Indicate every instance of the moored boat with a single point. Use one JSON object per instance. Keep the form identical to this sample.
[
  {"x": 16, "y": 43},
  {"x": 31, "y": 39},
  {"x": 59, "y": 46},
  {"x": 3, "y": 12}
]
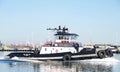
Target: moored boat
[{"x": 64, "y": 48}]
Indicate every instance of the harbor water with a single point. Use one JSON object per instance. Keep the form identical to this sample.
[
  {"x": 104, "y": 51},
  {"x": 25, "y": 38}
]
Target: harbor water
[{"x": 91, "y": 65}]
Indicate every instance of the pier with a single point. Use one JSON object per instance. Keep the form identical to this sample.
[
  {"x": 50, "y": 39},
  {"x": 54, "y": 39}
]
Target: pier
[{"x": 19, "y": 50}]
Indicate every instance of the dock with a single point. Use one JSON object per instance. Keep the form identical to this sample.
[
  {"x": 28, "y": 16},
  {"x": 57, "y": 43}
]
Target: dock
[{"x": 18, "y": 50}]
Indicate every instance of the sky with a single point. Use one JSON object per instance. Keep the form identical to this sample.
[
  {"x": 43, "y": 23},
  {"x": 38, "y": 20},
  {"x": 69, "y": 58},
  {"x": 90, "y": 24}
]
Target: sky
[{"x": 95, "y": 21}]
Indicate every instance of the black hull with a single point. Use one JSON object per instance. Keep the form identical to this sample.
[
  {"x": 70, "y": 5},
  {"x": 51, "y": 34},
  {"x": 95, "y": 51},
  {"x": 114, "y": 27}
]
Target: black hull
[
  {"x": 54, "y": 57},
  {"x": 66, "y": 56}
]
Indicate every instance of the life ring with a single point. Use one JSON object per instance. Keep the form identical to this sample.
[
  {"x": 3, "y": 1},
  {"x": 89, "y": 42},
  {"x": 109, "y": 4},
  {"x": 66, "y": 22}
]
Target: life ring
[
  {"x": 101, "y": 54},
  {"x": 67, "y": 57},
  {"x": 109, "y": 53}
]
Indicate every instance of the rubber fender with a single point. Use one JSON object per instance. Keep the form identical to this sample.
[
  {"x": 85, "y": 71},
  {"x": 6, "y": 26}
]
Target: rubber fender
[
  {"x": 101, "y": 54},
  {"x": 109, "y": 53},
  {"x": 67, "y": 57}
]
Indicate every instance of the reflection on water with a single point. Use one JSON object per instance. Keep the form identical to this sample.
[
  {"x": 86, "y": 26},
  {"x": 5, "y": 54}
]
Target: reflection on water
[
  {"x": 58, "y": 67},
  {"x": 93, "y": 65},
  {"x": 87, "y": 67}
]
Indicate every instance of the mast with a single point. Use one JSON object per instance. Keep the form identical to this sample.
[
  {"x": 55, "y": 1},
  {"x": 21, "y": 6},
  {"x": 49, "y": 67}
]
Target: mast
[{"x": 62, "y": 35}]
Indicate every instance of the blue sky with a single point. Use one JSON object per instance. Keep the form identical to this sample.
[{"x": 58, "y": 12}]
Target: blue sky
[{"x": 96, "y": 21}]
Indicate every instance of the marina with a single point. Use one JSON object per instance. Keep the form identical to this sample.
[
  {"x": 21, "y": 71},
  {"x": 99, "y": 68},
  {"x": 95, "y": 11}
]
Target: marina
[
  {"x": 62, "y": 55},
  {"x": 59, "y": 36}
]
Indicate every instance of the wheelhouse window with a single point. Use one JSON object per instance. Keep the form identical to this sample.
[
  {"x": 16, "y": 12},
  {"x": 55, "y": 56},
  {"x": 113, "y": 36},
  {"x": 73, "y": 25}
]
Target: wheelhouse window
[
  {"x": 73, "y": 37},
  {"x": 60, "y": 37}
]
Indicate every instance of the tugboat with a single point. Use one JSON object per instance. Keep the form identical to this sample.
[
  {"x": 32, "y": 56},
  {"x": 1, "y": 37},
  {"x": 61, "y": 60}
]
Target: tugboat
[{"x": 64, "y": 48}]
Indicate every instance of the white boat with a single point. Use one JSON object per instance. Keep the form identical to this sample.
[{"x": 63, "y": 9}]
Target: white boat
[{"x": 64, "y": 48}]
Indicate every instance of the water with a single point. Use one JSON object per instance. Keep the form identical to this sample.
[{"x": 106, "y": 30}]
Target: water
[{"x": 92, "y": 65}]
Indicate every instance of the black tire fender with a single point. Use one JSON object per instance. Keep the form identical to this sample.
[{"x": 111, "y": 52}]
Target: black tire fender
[
  {"x": 67, "y": 57},
  {"x": 109, "y": 53},
  {"x": 101, "y": 54}
]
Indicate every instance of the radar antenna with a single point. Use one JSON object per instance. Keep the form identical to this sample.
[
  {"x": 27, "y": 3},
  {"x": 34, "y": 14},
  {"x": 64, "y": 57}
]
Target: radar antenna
[{"x": 59, "y": 29}]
